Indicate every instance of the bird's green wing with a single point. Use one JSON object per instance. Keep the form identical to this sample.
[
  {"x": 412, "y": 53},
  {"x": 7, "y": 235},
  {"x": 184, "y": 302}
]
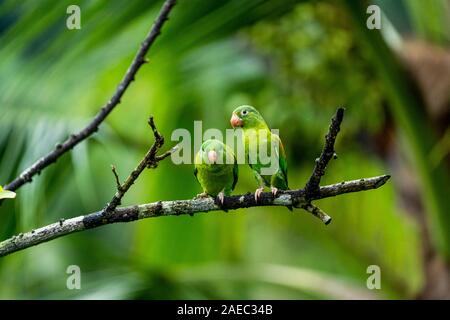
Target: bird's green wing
[
  {"x": 281, "y": 158},
  {"x": 230, "y": 154}
]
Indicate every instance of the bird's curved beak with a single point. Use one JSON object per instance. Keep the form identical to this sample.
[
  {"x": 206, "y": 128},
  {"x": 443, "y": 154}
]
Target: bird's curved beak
[
  {"x": 236, "y": 121},
  {"x": 212, "y": 156}
]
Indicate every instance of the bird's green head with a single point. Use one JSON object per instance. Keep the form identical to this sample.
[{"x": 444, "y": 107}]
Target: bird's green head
[
  {"x": 212, "y": 152},
  {"x": 247, "y": 117}
]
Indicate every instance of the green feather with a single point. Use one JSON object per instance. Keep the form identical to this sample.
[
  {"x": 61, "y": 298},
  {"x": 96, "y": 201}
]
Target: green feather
[
  {"x": 257, "y": 132},
  {"x": 220, "y": 176}
]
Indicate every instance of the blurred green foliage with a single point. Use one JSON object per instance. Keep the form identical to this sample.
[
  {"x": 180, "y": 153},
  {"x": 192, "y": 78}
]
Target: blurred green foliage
[{"x": 294, "y": 61}]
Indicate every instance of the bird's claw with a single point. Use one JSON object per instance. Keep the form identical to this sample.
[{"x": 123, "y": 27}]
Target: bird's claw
[
  {"x": 258, "y": 193},
  {"x": 274, "y": 191},
  {"x": 221, "y": 197},
  {"x": 201, "y": 195}
]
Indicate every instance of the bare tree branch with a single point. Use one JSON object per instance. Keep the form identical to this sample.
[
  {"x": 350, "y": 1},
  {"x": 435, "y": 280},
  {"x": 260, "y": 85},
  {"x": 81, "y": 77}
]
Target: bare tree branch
[
  {"x": 312, "y": 186},
  {"x": 61, "y": 148},
  {"x": 150, "y": 160},
  {"x": 181, "y": 207},
  {"x": 300, "y": 198}
]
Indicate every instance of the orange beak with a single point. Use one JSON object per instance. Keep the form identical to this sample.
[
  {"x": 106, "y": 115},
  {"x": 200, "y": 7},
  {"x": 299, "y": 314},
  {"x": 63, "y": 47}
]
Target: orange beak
[
  {"x": 236, "y": 121},
  {"x": 212, "y": 156}
]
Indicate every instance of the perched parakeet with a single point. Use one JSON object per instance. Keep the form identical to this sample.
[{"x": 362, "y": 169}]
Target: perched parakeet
[
  {"x": 256, "y": 130},
  {"x": 216, "y": 169}
]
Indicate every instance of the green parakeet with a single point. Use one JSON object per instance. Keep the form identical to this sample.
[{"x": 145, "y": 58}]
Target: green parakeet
[
  {"x": 256, "y": 132},
  {"x": 216, "y": 169}
]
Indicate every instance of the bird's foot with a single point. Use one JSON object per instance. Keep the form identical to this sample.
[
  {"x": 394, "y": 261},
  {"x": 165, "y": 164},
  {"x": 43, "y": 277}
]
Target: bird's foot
[
  {"x": 202, "y": 195},
  {"x": 274, "y": 191},
  {"x": 258, "y": 193},
  {"x": 221, "y": 197}
]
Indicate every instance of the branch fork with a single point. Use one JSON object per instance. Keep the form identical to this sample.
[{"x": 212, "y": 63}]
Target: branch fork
[
  {"x": 183, "y": 207},
  {"x": 312, "y": 187},
  {"x": 150, "y": 160}
]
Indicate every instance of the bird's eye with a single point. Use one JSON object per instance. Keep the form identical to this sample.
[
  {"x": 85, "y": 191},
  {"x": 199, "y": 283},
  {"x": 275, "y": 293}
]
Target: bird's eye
[{"x": 244, "y": 113}]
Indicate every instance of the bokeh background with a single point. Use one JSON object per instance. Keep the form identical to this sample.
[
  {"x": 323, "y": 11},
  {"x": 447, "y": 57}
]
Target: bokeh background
[{"x": 296, "y": 61}]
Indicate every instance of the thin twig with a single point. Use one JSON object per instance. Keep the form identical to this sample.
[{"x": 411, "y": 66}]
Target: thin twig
[
  {"x": 61, "y": 148},
  {"x": 316, "y": 211},
  {"x": 180, "y": 207},
  {"x": 116, "y": 176},
  {"x": 150, "y": 160}
]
